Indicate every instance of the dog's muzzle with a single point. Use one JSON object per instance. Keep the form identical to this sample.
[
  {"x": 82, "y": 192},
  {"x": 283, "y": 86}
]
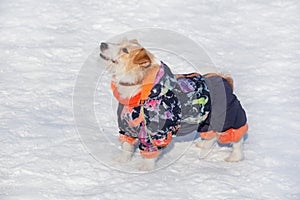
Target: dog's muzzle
[{"x": 104, "y": 47}]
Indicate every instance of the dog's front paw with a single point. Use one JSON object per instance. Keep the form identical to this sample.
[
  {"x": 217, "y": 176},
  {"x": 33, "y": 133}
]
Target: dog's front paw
[
  {"x": 148, "y": 164},
  {"x": 122, "y": 157},
  {"x": 125, "y": 155}
]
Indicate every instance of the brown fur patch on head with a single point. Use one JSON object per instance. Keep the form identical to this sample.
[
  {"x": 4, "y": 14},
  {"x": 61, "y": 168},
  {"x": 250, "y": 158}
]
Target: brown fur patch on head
[
  {"x": 134, "y": 57},
  {"x": 142, "y": 59}
]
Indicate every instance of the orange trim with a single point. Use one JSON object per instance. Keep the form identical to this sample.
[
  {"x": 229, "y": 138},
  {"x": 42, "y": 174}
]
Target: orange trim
[
  {"x": 164, "y": 142},
  {"x": 147, "y": 86},
  {"x": 232, "y": 135},
  {"x": 149, "y": 154},
  {"x": 148, "y": 81},
  {"x": 208, "y": 135},
  {"x": 133, "y": 101},
  {"x": 130, "y": 140},
  {"x": 211, "y": 74}
]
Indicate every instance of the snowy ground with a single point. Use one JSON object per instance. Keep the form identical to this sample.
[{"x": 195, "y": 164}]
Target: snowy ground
[{"x": 43, "y": 45}]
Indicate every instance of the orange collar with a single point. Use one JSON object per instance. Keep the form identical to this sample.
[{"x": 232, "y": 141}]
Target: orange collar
[{"x": 147, "y": 86}]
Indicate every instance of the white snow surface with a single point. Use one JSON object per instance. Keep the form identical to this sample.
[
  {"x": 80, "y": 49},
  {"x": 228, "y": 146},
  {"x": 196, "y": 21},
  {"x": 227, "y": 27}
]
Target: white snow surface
[{"x": 43, "y": 45}]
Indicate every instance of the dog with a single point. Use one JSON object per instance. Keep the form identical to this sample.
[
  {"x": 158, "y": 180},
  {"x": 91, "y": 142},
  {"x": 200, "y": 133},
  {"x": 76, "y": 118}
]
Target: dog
[{"x": 156, "y": 105}]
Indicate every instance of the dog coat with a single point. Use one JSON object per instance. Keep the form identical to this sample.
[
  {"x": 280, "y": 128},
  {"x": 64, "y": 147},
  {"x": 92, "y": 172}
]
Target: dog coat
[
  {"x": 173, "y": 102},
  {"x": 173, "y": 105}
]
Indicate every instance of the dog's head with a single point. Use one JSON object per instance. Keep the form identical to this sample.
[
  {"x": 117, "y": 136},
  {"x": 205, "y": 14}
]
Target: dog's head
[{"x": 128, "y": 61}]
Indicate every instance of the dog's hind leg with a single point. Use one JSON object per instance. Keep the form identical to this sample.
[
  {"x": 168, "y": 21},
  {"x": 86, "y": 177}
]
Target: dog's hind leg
[
  {"x": 237, "y": 152},
  {"x": 206, "y": 144}
]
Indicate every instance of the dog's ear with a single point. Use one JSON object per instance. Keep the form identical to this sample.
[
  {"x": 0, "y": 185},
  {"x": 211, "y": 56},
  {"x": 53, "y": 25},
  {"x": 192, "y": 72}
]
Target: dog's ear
[
  {"x": 134, "y": 41},
  {"x": 142, "y": 59}
]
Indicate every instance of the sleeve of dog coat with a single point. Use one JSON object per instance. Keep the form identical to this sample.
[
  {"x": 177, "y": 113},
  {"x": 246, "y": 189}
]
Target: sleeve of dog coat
[
  {"x": 128, "y": 122},
  {"x": 162, "y": 119}
]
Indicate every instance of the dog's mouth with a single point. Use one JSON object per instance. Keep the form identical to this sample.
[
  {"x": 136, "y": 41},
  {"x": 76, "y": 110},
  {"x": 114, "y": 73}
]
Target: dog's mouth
[{"x": 108, "y": 59}]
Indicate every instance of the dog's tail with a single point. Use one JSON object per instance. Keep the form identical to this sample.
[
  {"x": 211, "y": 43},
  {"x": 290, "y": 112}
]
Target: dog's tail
[{"x": 224, "y": 76}]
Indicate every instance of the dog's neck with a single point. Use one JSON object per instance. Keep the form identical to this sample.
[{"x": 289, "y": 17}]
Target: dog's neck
[
  {"x": 128, "y": 90},
  {"x": 128, "y": 86}
]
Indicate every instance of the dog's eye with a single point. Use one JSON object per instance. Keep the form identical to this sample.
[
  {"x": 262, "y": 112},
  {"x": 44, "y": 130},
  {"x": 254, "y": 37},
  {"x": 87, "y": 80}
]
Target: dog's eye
[{"x": 125, "y": 50}]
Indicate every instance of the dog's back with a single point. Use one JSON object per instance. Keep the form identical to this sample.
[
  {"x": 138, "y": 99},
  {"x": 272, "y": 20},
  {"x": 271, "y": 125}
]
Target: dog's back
[
  {"x": 193, "y": 95},
  {"x": 224, "y": 76}
]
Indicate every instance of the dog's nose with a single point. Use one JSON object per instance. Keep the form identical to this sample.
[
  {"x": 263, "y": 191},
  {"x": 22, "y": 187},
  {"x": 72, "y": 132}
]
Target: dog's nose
[{"x": 103, "y": 46}]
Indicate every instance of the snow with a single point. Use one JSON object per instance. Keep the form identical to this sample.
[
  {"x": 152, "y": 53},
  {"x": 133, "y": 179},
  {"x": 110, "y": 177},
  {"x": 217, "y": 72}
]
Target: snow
[{"x": 43, "y": 46}]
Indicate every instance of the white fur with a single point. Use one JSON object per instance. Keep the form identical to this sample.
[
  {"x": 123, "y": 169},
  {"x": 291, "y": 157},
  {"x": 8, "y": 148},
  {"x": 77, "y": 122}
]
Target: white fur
[
  {"x": 237, "y": 149},
  {"x": 148, "y": 164},
  {"x": 121, "y": 77},
  {"x": 128, "y": 91},
  {"x": 206, "y": 144},
  {"x": 125, "y": 155},
  {"x": 127, "y": 77},
  {"x": 237, "y": 152}
]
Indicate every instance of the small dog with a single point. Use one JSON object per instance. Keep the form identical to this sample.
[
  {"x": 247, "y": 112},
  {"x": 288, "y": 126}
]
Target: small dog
[{"x": 156, "y": 105}]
